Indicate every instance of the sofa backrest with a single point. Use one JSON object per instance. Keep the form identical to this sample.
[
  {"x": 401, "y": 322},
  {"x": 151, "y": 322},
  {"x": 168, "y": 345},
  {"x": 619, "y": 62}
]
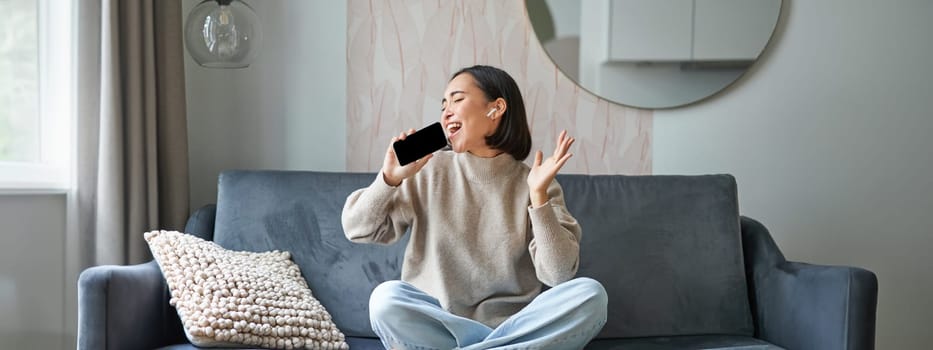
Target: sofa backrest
[
  {"x": 667, "y": 248},
  {"x": 300, "y": 212}
]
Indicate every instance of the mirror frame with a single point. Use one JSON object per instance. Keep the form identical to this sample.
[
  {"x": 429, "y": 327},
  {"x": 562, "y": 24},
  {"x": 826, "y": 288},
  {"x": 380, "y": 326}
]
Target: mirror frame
[{"x": 707, "y": 97}]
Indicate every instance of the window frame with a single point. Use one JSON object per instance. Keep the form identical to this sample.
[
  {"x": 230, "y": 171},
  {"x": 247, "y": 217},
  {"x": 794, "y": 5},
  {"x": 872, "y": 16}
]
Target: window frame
[{"x": 56, "y": 112}]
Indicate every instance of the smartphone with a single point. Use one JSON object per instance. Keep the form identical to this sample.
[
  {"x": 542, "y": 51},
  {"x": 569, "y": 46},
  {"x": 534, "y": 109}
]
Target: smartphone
[{"x": 423, "y": 142}]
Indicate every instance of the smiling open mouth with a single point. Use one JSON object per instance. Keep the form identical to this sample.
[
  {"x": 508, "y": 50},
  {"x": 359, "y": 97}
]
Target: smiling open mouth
[{"x": 453, "y": 129}]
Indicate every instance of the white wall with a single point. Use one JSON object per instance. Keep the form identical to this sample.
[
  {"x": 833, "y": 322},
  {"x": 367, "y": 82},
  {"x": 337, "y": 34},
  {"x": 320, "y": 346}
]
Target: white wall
[
  {"x": 829, "y": 139},
  {"x": 286, "y": 111},
  {"x": 32, "y": 269}
]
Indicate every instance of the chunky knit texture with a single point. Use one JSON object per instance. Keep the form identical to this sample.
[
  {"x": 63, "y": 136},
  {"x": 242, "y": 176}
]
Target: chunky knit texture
[
  {"x": 231, "y": 298},
  {"x": 476, "y": 243}
]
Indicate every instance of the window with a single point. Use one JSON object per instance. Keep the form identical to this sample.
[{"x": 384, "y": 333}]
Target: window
[{"x": 35, "y": 94}]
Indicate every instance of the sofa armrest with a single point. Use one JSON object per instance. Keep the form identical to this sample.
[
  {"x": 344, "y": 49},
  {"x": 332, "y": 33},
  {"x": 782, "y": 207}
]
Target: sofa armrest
[
  {"x": 201, "y": 222},
  {"x": 804, "y": 306},
  {"x": 125, "y": 307}
]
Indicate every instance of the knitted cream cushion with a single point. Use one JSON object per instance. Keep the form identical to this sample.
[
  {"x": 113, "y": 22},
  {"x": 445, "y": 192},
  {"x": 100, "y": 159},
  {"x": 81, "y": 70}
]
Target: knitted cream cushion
[{"x": 231, "y": 298}]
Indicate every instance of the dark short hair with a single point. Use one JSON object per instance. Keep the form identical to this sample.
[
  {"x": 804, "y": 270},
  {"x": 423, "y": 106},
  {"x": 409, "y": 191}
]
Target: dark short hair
[{"x": 513, "y": 135}]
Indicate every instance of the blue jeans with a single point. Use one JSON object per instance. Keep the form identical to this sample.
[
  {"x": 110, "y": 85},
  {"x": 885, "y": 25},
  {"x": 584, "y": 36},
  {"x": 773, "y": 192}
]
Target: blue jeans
[{"x": 564, "y": 317}]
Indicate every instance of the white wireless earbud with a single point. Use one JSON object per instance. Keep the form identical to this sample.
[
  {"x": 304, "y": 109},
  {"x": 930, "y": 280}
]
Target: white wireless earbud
[{"x": 489, "y": 115}]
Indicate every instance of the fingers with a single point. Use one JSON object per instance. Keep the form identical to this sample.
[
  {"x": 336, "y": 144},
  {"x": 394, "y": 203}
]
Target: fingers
[
  {"x": 416, "y": 166},
  {"x": 390, "y": 149},
  {"x": 397, "y": 138},
  {"x": 405, "y": 134},
  {"x": 560, "y": 141},
  {"x": 424, "y": 160},
  {"x": 563, "y": 145},
  {"x": 567, "y": 143},
  {"x": 562, "y": 160},
  {"x": 538, "y": 156},
  {"x": 402, "y": 135}
]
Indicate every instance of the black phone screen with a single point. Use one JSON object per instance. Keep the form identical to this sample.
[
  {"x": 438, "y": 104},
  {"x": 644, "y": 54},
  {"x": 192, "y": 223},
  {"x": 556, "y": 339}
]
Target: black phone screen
[{"x": 423, "y": 142}]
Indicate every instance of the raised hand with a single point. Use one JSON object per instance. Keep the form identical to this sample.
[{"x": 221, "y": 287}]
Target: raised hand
[
  {"x": 543, "y": 171},
  {"x": 392, "y": 172}
]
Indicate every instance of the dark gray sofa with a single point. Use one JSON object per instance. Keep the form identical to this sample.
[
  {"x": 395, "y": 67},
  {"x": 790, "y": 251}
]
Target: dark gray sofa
[{"x": 682, "y": 269}]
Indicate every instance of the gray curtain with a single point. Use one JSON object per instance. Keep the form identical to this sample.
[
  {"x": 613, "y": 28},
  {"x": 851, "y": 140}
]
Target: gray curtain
[{"x": 132, "y": 159}]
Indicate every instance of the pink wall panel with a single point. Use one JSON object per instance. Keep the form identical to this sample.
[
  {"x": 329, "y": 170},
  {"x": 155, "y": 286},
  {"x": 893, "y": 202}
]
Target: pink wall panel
[{"x": 400, "y": 55}]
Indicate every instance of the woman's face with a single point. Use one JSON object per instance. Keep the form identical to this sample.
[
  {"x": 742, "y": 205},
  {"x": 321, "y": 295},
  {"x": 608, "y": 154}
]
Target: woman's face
[{"x": 464, "y": 111}]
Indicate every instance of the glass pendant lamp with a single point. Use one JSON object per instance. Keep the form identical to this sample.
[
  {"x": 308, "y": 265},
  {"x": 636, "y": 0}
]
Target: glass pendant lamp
[{"x": 223, "y": 34}]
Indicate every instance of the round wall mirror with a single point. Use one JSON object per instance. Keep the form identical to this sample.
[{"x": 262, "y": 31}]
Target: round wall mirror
[{"x": 654, "y": 53}]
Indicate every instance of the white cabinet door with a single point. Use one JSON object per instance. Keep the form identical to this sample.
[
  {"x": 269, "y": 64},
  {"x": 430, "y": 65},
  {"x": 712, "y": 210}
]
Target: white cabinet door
[
  {"x": 733, "y": 29},
  {"x": 650, "y": 30}
]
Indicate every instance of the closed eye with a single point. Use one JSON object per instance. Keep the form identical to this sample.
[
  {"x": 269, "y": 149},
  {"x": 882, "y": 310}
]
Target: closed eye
[
  {"x": 443, "y": 107},
  {"x": 452, "y": 94}
]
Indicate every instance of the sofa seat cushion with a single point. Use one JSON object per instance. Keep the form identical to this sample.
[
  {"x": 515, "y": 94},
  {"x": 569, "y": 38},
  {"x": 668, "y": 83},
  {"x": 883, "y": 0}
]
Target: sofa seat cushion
[
  {"x": 709, "y": 342},
  {"x": 355, "y": 344},
  {"x": 732, "y": 342}
]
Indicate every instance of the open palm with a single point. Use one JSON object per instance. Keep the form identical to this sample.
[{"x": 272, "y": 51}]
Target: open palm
[{"x": 543, "y": 171}]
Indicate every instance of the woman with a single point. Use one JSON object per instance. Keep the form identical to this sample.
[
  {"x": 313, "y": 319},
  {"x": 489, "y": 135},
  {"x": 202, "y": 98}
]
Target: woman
[{"x": 487, "y": 232}]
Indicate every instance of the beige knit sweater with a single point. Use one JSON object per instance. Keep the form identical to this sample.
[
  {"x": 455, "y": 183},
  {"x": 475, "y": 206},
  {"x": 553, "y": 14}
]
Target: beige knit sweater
[{"x": 476, "y": 244}]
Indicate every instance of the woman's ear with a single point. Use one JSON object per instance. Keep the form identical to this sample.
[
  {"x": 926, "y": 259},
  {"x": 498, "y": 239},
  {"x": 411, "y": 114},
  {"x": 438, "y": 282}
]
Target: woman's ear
[{"x": 500, "y": 106}]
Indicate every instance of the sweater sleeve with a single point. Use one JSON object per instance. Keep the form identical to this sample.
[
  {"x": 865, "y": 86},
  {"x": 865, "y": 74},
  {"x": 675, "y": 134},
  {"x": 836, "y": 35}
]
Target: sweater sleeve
[
  {"x": 555, "y": 247},
  {"x": 376, "y": 214}
]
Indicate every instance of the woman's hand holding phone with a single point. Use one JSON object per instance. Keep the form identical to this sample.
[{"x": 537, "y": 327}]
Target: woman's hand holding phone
[{"x": 392, "y": 172}]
